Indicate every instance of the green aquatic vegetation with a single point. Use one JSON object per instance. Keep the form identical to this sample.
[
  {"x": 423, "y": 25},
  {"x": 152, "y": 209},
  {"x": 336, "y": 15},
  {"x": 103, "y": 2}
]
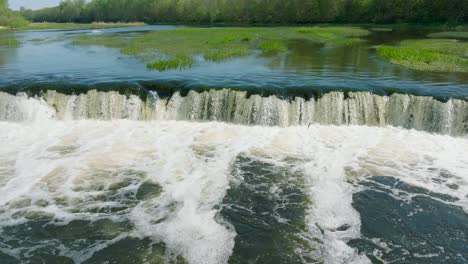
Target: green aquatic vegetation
[
  {"x": 164, "y": 49},
  {"x": 450, "y": 35},
  {"x": 334, "y": 36},
  {"x": 326, "y": 33},
  {"x": 273, "y": 47},
  {"x": 446, "y": 46},
  {"x": 223, "y": 54},
  {"x": 382, "y": 29},
  {"x": 9, "y": 41},
  {"x": 423, "y": 59},
  {"x": 179, "y": 62}
]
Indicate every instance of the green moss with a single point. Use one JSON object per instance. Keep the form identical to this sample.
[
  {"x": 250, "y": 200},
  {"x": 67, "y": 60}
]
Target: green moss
[
  {"x": 423, "y": 58},
  {"x": 450, "y": 35},
  {"x": 273, "y": 47},
  {"x": 179, "y": 62}
]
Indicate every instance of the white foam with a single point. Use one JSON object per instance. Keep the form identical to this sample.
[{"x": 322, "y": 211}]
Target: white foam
[{"x": 192, "y": 162}]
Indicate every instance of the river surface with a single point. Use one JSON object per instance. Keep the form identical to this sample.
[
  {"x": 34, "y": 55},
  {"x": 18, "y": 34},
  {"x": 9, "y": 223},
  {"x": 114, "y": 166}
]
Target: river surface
[
  {"x": 49, "y": 56},
  {"x": 318, "y": 155}
]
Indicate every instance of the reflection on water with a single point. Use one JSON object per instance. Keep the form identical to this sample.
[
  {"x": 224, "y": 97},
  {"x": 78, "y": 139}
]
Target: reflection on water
[
  {"x": 49, "y": 56},
  {"x": 8, "y": 46}
]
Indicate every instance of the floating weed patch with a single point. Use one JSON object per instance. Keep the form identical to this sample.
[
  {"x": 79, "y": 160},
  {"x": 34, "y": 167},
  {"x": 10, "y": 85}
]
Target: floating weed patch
[
  {"x": 333, "y": 32},
  {"x": 382, "y": 29},
  {"x": 215, "y": 44},
  {"x": 180, "y": 62},
  {"x": 421, "y": 59},
  {"x": 446, "y": 46},
  {"x": 220, "y": 55},
  {"x": 450, "y": 35},
  {"x": 334, "y": 36},
  {"x": 133, "y": 50},
  {"x": 273, "y": 47},
  {"x": 9, "y": 41},
  {"x": 344, "y": 41}
]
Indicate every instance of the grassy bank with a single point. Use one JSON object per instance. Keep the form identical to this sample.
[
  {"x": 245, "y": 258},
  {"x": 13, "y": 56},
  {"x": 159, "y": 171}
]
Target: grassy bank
[
  {"x": 172, "y": 49},
  {"x": 438, "y": 55}
]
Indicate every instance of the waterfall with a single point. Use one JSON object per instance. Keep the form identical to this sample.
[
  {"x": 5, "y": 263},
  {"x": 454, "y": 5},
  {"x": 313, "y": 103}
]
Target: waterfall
[{"x": 225, "y": 105}]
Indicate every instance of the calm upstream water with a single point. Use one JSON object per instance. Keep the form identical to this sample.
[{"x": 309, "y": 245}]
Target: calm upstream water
[{"x": 319, "y": 155}]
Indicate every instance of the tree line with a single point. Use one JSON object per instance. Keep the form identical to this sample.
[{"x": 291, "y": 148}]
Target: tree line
[
  {"x": 254, "y": 11},
  {"x": 9, "y": 18}
]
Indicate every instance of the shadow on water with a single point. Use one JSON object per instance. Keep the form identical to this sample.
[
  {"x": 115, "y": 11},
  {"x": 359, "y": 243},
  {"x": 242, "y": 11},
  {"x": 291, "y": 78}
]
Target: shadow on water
[
  {"x": 9, "y": 44},
  {"x": 422, "y": 228},
  {"x": 267, "y": 206}
]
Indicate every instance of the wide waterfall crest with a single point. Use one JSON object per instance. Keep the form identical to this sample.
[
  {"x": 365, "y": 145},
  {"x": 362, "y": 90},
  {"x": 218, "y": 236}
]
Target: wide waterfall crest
[{"x": 334, "y": 108}]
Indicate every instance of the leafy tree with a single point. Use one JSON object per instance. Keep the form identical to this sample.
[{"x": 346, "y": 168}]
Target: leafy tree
[
  {"x": 10, "y": 18},
  {"x": 254, "y": 11}
]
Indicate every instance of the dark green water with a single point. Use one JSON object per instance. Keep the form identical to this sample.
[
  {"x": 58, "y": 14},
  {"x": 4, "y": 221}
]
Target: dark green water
[{"x": 418, "y": 228}]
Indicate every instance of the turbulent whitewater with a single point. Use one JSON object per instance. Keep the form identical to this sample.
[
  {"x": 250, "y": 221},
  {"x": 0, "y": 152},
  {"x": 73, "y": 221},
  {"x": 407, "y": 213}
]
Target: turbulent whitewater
[
  {"x": 181, "y": 191},
  {"x": 104, "y": 176},
  {"x": 334, "y": 108}
]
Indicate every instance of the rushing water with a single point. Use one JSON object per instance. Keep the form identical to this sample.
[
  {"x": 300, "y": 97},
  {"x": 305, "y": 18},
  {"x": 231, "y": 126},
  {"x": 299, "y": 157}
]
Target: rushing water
[
  {"x": 320, "y": 155},
  {"x": 354, "y": 108},
  {"x": 84, "y": 191}
]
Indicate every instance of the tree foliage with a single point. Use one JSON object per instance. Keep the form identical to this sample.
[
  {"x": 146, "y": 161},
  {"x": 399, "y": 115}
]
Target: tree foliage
[
  {"x": 254, "y": 11},
  {"x": 10, "y": 18}
]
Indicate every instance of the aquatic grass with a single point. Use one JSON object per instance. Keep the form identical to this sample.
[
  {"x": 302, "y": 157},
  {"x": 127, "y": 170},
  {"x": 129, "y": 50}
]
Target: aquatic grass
[
  {"x": 334, "y": 36},
  {"x": 446, "y": 46},
  {"x": 422, "y": 59},
  {"x": 450, "y": 35},
  {"x": 382, "y": 29},
  {"x": 9, "y": 41},
  {"x": 329, "y": 32},
  {"x": 273, "y": 47},
  {"x": 215, "y": 44},
  {"x": 223, "y": 54},
  {"x": 179, "y": 62}
]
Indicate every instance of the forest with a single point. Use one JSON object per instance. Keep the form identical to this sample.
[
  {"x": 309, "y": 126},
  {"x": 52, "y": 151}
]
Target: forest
[
  {"x": 254, "y": 11},
  {"x": 10, "y": 18}
]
